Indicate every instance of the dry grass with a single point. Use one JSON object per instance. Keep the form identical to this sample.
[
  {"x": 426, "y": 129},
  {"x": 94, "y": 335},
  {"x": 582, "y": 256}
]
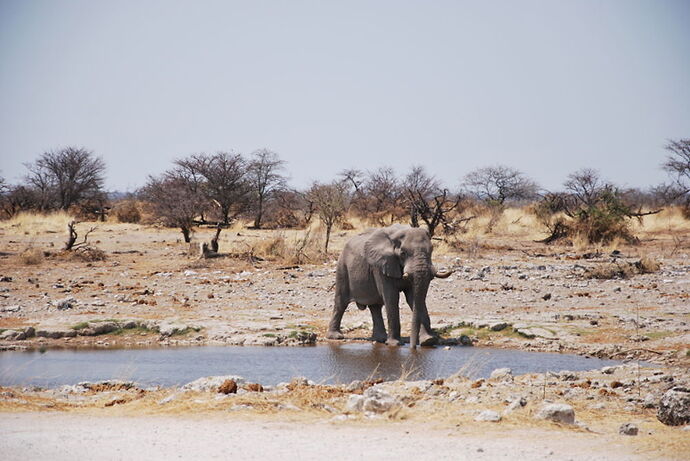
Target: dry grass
[
  {"x": 33, "y": 224},
  {"x": 31, "y": 256}
]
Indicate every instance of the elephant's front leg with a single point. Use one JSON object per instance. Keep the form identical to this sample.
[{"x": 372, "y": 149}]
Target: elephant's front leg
[
  {"x": 379, "y": 333},
  {"x": 391, "y": 299},
  {"x": 426, "y": 336}
]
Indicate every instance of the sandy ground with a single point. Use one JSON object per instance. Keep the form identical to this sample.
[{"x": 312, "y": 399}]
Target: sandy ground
[
  {"x": 540, "y": 295},
  {"x": 68, "y": 437}
]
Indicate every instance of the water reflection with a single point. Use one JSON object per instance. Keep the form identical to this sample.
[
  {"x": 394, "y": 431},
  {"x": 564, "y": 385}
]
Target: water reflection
[{"x": 332, "y": 363}]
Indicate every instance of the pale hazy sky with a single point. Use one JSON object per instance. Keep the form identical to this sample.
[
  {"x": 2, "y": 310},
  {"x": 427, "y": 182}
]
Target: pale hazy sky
[{"x": 545, "y": 86}]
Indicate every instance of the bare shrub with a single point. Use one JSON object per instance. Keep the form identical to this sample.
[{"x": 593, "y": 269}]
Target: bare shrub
[
  {"x": 302, "y": 249},
  {"x": 590, "y": 209},
  {"x": 88, "y": 254},
  {"x": 331, "y": 202},
  {"x": 126, "y": 211},
  {"x": 622, "y": 269},
  {"x": 31, "y": 256},
  {"x": 647, "y": 265}
]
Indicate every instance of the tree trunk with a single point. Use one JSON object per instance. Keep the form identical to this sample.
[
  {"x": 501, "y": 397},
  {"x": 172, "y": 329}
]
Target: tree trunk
[
  {"x": 186, "y": 234},
  {"x": 328, "y": 236}
]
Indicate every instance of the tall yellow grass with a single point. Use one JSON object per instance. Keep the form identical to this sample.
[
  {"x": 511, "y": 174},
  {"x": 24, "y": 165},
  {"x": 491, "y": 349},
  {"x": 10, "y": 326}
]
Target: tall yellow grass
[{"x": 31, "y": 223}]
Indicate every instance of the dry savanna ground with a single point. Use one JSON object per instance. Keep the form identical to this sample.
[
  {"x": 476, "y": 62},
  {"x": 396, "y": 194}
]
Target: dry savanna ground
[{"x": 142, "y": 286}]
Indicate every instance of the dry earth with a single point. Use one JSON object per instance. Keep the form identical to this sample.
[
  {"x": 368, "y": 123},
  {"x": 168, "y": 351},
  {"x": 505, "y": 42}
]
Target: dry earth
[{"x": 507, "y": 291}]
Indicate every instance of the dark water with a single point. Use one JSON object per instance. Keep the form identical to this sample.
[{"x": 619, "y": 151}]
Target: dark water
[{"x": 336, "y": 363}]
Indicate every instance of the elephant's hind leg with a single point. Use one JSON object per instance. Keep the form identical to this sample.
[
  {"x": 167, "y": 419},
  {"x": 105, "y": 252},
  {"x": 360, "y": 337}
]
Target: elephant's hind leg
[
  {"x": 342, "y": 299},
  {"x": 379, "y": 334}
]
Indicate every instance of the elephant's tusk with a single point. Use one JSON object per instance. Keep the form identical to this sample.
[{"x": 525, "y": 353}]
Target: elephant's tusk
[
  {"x": 406, "y": 276},
  {"x": 443, "y": 274}
]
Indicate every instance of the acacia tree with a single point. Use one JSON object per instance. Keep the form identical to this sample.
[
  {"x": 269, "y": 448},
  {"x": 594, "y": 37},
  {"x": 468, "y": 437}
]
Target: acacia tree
[
  {"x": 677, "y": 165},
  {"x": 221, "y": 178},
  {"x": 227, "y": 185},
  {"x": 420, "y": 187},
  {"x": 174, "y": 201},
  {"x": 498, "y": 184},
  {"x": 66, "y": 177},
  {"x": 331, "y": 203},
  {"x": 265, "y": 178}
]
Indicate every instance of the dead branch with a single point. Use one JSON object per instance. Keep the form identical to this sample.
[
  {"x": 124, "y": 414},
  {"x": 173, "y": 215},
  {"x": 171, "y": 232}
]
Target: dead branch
[{"x": 70, "y": 244}]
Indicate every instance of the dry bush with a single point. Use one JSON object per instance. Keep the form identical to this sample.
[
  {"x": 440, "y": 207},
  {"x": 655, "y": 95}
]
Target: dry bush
[
  {"x": 647, "y": 265},
  {"x": 126, "y": 211},
  {"x": 31, "y": 256},
  {"x": 301, "y": 249},
  {"x": 623, "y": 270},
  {"x": 87, "y": 254}
]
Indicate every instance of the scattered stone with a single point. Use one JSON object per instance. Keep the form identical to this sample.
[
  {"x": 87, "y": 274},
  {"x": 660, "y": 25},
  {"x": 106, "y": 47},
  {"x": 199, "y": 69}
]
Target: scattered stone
[
  {"x": 211, "y": 383},
  {"x": 628, "y": 429},
  {"x": 498, "y": 326},
  {"x": 557, "y": 412},
  {"x": 354, "y": 403},
  {"x": 546, "y": 297},
  {"x": 465, "y": 340},
  {"x": 14, "y": 308},
  {"x": 65, "y": 303},
  {"x": 254, "y": 387},
  {"x": 534, "y": 332},
  {"x": 5, "y": 278},
  {"x": 377, "y": 400},
  {"x": 609, "y": 370},
  {"x": 674, "y": 407},
  {"x": 516, "y": 405},
  {"x": 502, "y": 374},
  {"x": 229, "y": 386},
  {"x": 488, "y": 415}
]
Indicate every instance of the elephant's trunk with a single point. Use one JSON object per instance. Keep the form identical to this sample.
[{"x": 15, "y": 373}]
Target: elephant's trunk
[{"x": 419, "y": 311}]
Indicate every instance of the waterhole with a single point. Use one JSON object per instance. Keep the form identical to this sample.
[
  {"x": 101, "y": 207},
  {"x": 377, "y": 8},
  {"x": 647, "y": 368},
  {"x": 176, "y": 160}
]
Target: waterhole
[{"x": 332, "y": 363}]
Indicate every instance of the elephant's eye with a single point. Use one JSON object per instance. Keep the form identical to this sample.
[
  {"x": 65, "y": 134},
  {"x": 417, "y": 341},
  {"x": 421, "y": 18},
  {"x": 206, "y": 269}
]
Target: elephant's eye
[{"x": 403, "y": 253}]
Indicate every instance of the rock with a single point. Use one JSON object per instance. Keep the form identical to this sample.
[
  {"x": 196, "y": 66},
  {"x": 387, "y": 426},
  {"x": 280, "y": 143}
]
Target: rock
[
  {"x": 56, "y": 334},
  {"x": 354, "y": 403},
  {"x": 465, "y": 340},
  {"x": 211, "y": 383},
  {"x": 502, "y": 374},
  {"x": 534, "y": 332},
  {"x": 30, "y": 332},
  {"x": 488, "y": 415},
  {"x": 377, "y": 400},
  {"x": 168, "y": 329},
  {"x": 498, "y": 326},
  {"x": 557, "y": 412},
  {"x": 515, "y": 405},
  {"x": 254, "y": 387},
  {"x": 14, "y": 308},
  {"x": 674, "y": 407},
  {"x": 229, "y": 386},
  {"x": 628, "y": 429},
  {"x": 9, "y": 335},
  {"x": 65, "y": 303},
  {"x": 609, "y": 370}
]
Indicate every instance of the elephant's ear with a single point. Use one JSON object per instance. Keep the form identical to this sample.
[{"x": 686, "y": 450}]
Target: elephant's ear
[{"x": 380, "y": 252}]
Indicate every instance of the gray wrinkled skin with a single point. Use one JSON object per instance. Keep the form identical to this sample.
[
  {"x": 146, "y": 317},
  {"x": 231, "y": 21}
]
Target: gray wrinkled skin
[{"x": 373, "y": 269}]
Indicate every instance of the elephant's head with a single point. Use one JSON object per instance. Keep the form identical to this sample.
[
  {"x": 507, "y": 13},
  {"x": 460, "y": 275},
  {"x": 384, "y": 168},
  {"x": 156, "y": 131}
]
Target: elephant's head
[{"x": 404, "y": 253}]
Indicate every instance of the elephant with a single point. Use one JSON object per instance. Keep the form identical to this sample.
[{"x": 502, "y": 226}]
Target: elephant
[{"x": 374, "y": 268}]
